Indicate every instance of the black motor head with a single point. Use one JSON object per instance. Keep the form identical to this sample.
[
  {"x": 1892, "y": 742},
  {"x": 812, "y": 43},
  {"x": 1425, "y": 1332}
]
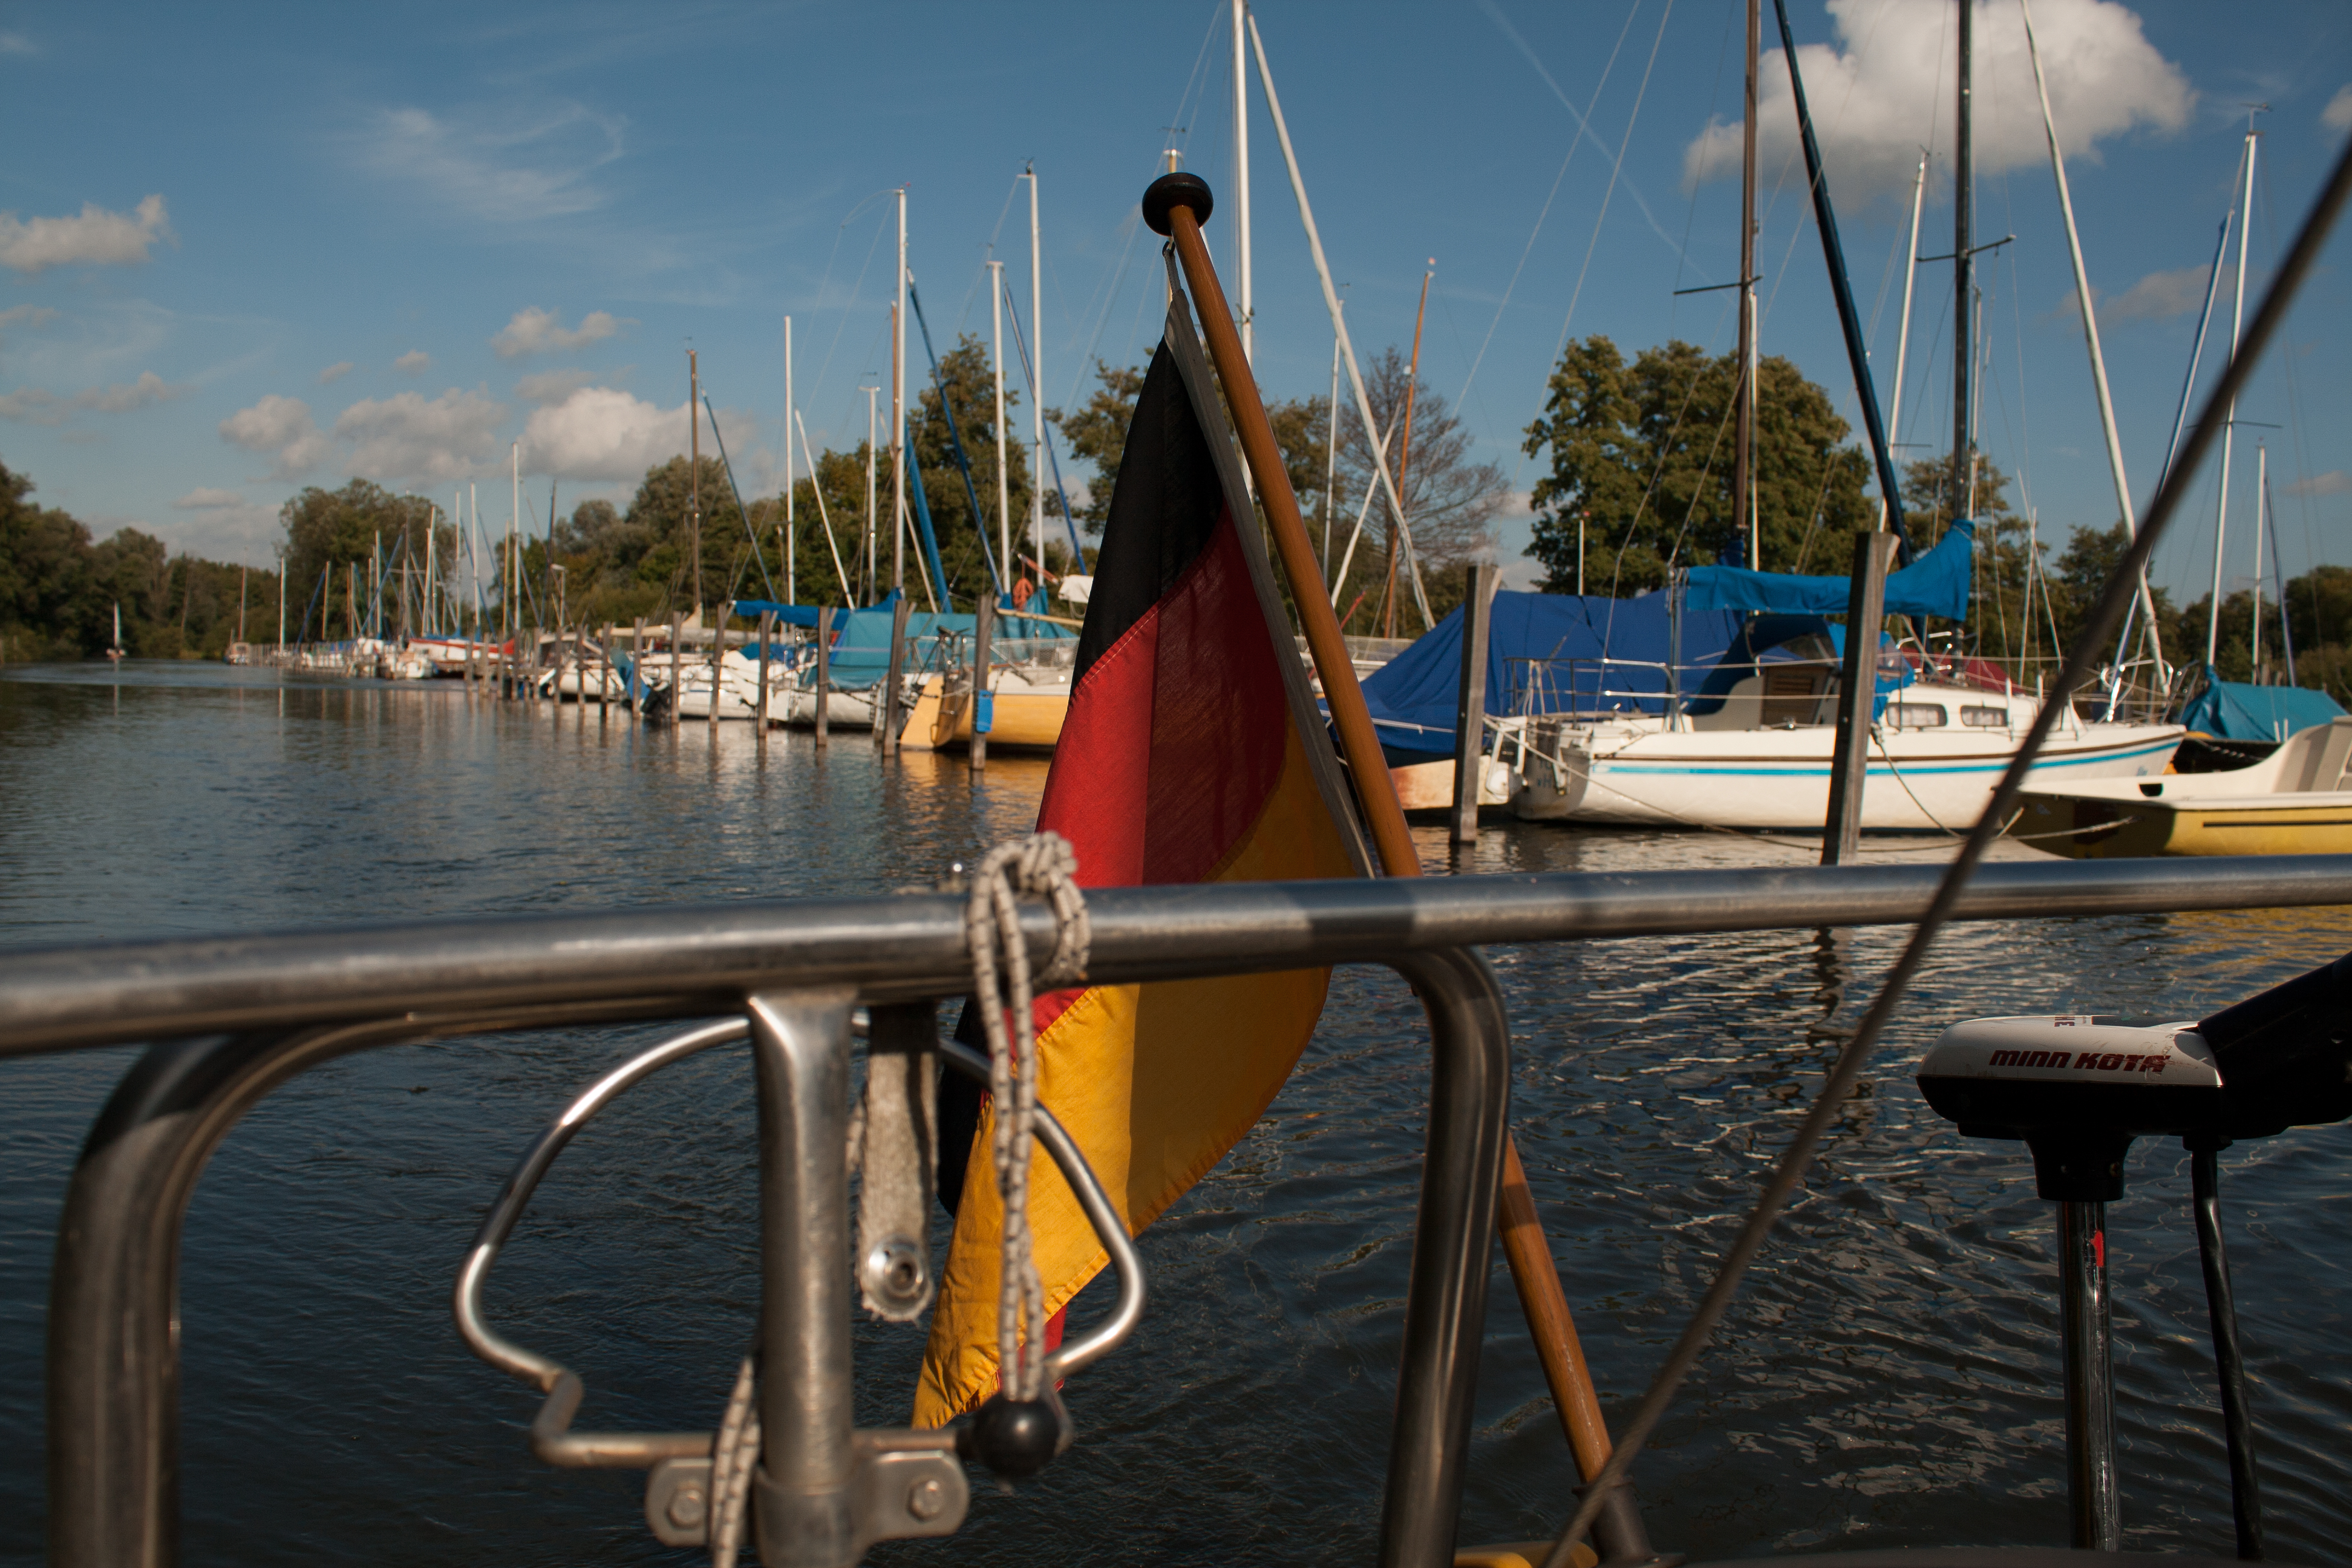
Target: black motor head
[
  {"x": 2286, "y": 1054},
  {"x": 1169, "y": 192}
]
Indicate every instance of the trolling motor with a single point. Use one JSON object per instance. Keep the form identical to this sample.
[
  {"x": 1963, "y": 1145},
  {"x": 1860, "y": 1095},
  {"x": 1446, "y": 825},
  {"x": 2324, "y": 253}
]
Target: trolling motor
[{"x": 2077, "y": 1090}]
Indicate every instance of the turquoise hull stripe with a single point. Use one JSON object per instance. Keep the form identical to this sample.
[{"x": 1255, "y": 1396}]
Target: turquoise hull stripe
[{"x": 1601, "y": 765}]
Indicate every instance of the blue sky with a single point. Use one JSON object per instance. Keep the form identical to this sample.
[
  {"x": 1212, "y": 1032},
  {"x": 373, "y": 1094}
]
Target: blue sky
[{"x": 254, "y": 247}]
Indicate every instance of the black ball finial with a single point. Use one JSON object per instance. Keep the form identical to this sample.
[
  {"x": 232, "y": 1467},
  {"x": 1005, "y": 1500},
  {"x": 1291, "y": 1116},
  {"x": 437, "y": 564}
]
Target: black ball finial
[
  {"x": 1016, "y": 1438},
  {"x": 1169, "y": 192}
]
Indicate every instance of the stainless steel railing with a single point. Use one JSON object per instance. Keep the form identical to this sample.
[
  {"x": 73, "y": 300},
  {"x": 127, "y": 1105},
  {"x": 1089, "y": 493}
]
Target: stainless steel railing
[{"x": 238, "y": 1016}]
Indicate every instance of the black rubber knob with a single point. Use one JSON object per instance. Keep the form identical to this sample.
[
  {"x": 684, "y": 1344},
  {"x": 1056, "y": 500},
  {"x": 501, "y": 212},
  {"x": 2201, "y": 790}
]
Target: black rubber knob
[
  {"x": 1017, "y": 1438},
  {"x": 1169, "y": 192}
]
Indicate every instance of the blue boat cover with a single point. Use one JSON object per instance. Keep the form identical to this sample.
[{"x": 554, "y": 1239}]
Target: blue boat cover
[
  {"x": 2234, "y": 710},
  {"x": 861, "y": 642},
  {"x": 1414, "y": 697},
  {"x": 1937, "y": 583}
]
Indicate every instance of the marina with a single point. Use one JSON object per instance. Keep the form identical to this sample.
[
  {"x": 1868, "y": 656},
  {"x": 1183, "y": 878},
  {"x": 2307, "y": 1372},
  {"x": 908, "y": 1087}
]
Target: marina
[
  {"x": 865, "y": 1002},
  {"x": 1892, "y": 1377}
]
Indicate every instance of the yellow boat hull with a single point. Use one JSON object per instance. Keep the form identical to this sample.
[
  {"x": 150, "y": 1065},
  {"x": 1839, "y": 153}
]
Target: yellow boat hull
[
  {"x": 2088, "y": 828},
  {"x": 1022, "y": 720}
]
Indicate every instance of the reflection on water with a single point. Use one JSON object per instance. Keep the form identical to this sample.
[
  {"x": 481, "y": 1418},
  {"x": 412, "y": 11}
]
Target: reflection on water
[{"x": 1890, "y": 1376}]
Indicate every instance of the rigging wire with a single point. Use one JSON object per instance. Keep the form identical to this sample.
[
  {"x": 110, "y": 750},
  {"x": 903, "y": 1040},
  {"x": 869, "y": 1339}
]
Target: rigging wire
[
  {"x": 1583, "y": 129},
  {"x": 2119, "y": 592}
]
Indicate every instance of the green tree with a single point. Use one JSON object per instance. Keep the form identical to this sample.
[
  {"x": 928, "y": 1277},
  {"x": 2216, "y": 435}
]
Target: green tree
[
  {"x": 1097, "y": 436},
  {"x": 970, "y": 387},
  {"x": 343, "y": 529},
  {"x": 1641, "y": 454}
]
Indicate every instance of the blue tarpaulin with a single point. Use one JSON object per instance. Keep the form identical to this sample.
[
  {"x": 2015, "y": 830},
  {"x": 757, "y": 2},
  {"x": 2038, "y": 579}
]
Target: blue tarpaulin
[
  {"x": 2234, "y": 710},
  {"x": 1414, "y": 697},
  {"x": 1937, "y": 583},
  {"x": 861, "y": 642}
]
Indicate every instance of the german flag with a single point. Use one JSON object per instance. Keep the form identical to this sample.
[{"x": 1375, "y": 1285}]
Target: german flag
[{"x": 1192, "y": 753}]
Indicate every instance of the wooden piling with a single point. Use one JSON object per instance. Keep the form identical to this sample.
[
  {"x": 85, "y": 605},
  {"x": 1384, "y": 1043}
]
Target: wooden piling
[
  {"x": 1470, "y": 719},
  {"x": 717, "y": 652},
  {"x": 676, "y": 664},
  {"x": 886, "y": 715},
  {"x": 1865, "y": 612},
  {"x": 983, "y": 704},
  {"x": 767, "y": 622},
  {"x": 824, "y": 692}
]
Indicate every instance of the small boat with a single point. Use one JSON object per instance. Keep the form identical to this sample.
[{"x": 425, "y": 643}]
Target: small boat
[
  {"x": 115, "y": 651},
  {"x": 2296, "y": 801},
  {"x": 738, "y": 686},
  {"x": 1028, "y": 700}
]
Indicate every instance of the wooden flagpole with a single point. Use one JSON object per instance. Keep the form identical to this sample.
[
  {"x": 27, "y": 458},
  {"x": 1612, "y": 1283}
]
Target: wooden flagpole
[{"x": 1176, "y": 206}]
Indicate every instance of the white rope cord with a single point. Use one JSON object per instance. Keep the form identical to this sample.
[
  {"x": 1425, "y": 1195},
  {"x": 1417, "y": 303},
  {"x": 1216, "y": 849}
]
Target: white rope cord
[
  {"x": 732, "y": 1460},
  {"x": 1044, "y": 864}
]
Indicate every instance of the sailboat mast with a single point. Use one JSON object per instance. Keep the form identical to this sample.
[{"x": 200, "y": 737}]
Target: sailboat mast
[
  {"x": 1743, "y": 466},
  {"x": 2091, "y": 335},
  {"x": 872, "y": 393},
  {"x": 898, "y": 413},
  {"x": 1330, "y": 458},
  {"x": 1964, "y": 334},
  {"x": 1036, "y": 380},
  {"x": 2262, "y": 488},
  {"x": 1241, "y": 170},
  {"x": 790, "y": 595},
  {"x": 1404, "y": 449},
  {"x": 694, "y": 477},
  {"x": 1902, "y": 333},
  {"x": 2229, "y": 430},
  {"x": 996, "y": 351}
]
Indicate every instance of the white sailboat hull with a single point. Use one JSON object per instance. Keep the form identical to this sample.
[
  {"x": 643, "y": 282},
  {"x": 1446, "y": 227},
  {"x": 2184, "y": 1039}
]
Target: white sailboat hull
[{"x": 1780, "y": 778}]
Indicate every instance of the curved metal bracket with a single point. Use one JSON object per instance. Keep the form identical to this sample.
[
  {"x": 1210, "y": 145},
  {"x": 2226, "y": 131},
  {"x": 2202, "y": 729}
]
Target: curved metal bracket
[{"x": 552, "y": 1439}]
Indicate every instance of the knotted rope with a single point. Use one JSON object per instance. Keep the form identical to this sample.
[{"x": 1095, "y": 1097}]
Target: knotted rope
[{"x": 1042, "y": 864}]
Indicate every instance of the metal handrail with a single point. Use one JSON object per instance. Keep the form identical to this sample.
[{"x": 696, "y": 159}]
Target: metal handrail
[
  {"x": 264, "y": 1009},
  {"x": 699, "y": 961}
]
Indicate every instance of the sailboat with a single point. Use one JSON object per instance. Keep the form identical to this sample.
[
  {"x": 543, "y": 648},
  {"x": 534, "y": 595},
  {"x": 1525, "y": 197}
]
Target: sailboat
[
  {"x": 1745, "y": 737},
  {"x": 115, "y": 651}
]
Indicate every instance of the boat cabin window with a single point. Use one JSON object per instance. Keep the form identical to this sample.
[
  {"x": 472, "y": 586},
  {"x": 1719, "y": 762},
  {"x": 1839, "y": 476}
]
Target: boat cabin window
[
  {"x": 1917, "y": 715},
  {"x": 1986, "y": 718}
]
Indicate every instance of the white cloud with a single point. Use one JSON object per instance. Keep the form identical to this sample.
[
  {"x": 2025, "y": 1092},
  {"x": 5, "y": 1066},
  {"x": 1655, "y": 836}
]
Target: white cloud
[
  {"x": 534, "y": 330},
  {"x": 2338, "y": 115},
  {"x": 281, "y": 428},
  {"x": 27, "y": 315},
  {"x": 122, "y": 399},
  {"x": 2334, "y": 483},
  {"x": 604, "y": 433},
  {"x": 35, "y": 406},
  {"x": 16, "y": 44},
  {"x": 96, "y": 238},
  {"x": 552, "y": 385},
  {"x": 2161, "y": 296},
  {"x": 335, "y": 371},
  {"x": 505, "y": 172},
  {"x": 203, "y": 498},
  {"x": 406, "y": 437},
  {"x": 415, "y": 361},
  {"x": 1884, "y": 89}
]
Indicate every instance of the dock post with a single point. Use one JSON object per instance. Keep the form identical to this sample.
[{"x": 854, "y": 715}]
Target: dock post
[
  {"x": 604, "y": 677},
  {"x": 677, "y": 663},
  {"x": 886, "y": 717},
  {"x": 638, "y": 668},
  {"x": 983, "y": 702},
  {"x": 718, "y": 655},
  {"x": 1470, "y": 717},
  {"x": 1866, "y": 608},
  {"x": 767, "y": 620},
  {"x": 823, "y": 694}
]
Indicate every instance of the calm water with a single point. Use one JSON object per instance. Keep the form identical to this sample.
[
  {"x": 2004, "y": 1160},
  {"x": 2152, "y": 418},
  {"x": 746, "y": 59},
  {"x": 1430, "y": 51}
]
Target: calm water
[{"x": 1889, "y": 1378}]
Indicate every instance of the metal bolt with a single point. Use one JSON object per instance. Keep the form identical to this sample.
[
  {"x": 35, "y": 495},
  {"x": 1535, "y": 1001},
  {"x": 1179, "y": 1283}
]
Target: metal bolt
[
  {"x": 925, "y": 1498},
  {"x": 687, "y": 1509}
]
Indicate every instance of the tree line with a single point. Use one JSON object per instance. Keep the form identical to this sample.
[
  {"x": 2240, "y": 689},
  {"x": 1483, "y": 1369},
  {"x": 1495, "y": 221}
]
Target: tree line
[{"x": 59, "y": 589}]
